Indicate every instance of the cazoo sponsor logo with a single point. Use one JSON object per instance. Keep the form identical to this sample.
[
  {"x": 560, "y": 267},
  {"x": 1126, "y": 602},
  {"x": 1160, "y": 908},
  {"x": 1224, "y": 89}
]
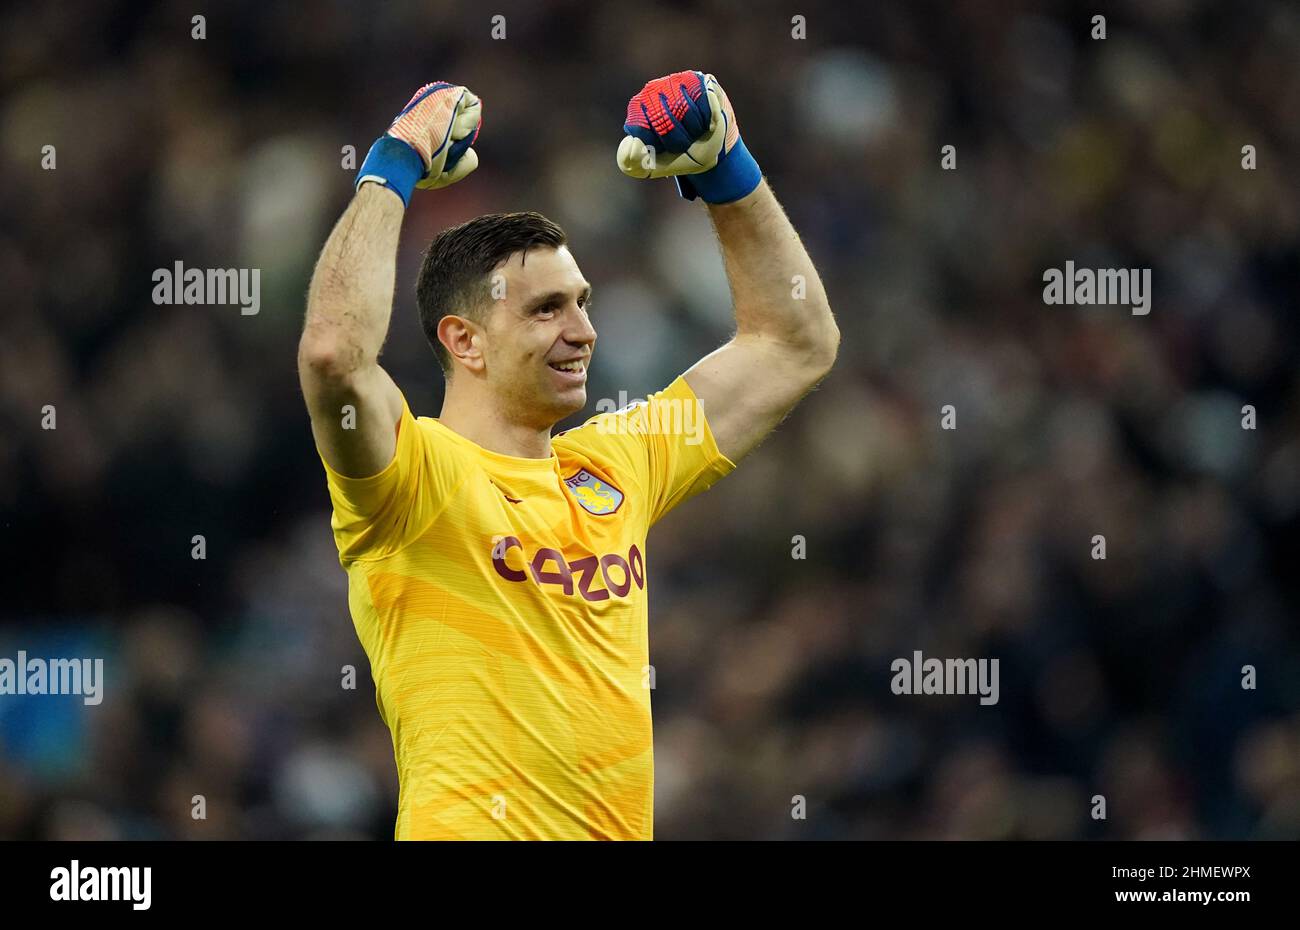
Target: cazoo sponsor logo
[{"x": 549, "y": 567}]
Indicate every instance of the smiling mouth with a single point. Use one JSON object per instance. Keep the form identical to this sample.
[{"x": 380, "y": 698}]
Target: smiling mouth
[{"x": 578, "y": 367}]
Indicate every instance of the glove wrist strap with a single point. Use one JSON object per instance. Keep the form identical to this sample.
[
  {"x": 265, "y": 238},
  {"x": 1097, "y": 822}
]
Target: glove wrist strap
[
  {"x": 394, "y": 164},
  {"x": 734, "y": 176}
]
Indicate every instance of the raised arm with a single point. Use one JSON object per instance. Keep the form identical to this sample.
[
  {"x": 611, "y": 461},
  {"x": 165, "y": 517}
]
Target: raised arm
[
  {"x": 348, "y": 308},
  {"x": 683, "y": 126},
  {"x": 786, "y": 338},
  {"x": 350, "y": 298}
]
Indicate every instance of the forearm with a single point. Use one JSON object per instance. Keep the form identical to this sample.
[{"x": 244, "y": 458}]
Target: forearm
[
  {"x": 350, "y": 299},
  {"x": 775, "y": 288}
]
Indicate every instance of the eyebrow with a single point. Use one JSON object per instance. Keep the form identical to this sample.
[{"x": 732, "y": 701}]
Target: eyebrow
[{"x": 555, "y": 296}]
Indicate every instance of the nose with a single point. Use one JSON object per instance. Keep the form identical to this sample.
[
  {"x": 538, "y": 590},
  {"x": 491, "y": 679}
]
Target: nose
[{"x": 579, "y": 331}]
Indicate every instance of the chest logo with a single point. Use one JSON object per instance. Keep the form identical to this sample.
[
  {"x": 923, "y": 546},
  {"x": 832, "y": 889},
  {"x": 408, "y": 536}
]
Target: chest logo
[
  {"x": 513, "y": 500},
  {"x": 594, "y": 496}
]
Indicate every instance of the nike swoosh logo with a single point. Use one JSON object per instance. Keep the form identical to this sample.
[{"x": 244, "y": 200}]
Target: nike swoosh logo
[{"x": 513, "y": 500}]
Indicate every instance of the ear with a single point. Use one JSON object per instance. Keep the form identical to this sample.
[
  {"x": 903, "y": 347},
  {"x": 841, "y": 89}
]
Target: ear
[{"x": 463, "y": 340}]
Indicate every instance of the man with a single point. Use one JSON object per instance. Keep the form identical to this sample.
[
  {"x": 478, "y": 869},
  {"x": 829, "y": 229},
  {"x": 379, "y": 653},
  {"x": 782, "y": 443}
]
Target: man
[{"x": 497, "y": 574}]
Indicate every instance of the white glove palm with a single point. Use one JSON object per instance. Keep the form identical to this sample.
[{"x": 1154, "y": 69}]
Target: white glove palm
[{"x": 638, "y": 160}]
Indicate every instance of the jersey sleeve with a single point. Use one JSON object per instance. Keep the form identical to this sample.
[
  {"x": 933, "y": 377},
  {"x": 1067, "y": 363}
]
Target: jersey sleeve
[
  {"x": 376, "y": 516},
  {"x": 664, "y": 441}
]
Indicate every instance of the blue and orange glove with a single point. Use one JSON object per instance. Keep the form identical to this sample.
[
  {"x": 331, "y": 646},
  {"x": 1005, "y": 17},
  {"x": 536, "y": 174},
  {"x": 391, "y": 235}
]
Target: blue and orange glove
[
  {"x": 682, "y": 126},
  {"x": 428, "y": 144}
]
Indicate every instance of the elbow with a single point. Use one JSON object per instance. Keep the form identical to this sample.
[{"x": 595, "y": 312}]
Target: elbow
[
  {"x": 823, "y": 350},
  {"x": 325, "y": 360},
  {"x": 834, "y": 344},
  {"x": 811, "y": 351}
]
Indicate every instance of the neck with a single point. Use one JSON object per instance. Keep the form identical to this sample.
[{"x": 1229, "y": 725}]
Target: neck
[{"x": 481, "y": 422}]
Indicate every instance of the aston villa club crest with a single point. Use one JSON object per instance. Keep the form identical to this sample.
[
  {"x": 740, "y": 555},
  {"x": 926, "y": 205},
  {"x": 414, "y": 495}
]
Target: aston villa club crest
[{"x": 595, "y": 496}]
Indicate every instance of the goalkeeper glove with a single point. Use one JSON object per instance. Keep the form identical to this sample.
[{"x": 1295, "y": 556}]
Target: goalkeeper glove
[
  {"x": 682, "y": 126},
  {"x": 428, "y": 144}
]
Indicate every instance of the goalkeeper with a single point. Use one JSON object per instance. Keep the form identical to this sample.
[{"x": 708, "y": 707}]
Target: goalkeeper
[{"x": 497, "y": 574}]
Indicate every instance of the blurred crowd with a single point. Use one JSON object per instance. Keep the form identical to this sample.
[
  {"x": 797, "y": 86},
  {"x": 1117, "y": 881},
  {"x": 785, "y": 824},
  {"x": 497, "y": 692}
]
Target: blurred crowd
[{"x": 1120, "y": 678}]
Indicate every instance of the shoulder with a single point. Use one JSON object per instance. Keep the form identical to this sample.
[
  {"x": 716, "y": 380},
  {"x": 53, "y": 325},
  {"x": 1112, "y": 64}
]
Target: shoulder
[
  {"x": 448, "y": 443},
  {"x": 636, "y": 416}
]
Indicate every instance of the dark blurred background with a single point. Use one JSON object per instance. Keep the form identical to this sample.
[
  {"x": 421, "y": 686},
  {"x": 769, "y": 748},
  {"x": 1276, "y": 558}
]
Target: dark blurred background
[{"x": 1119, "y": 677}]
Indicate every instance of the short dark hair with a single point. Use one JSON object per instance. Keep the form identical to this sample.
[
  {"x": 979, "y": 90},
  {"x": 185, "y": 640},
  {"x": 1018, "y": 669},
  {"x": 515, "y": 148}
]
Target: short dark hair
[{"x": 454, "y": 274}]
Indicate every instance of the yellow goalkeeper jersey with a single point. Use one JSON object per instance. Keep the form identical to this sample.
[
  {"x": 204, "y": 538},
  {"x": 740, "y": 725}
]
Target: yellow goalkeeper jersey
[{"x": 502, "y": 604}]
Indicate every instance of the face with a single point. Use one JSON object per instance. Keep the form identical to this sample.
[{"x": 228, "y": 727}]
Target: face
[{"x": 538, "y": 340}]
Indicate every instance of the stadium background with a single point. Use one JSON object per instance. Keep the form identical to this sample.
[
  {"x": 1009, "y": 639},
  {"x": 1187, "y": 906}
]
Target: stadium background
[{"x": 1118, "y": 677}]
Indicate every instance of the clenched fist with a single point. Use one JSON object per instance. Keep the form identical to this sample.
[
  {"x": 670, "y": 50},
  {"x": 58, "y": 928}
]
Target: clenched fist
[
  {"x": 683, "y": 126},
  {"x": 429, "y": 143}
]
